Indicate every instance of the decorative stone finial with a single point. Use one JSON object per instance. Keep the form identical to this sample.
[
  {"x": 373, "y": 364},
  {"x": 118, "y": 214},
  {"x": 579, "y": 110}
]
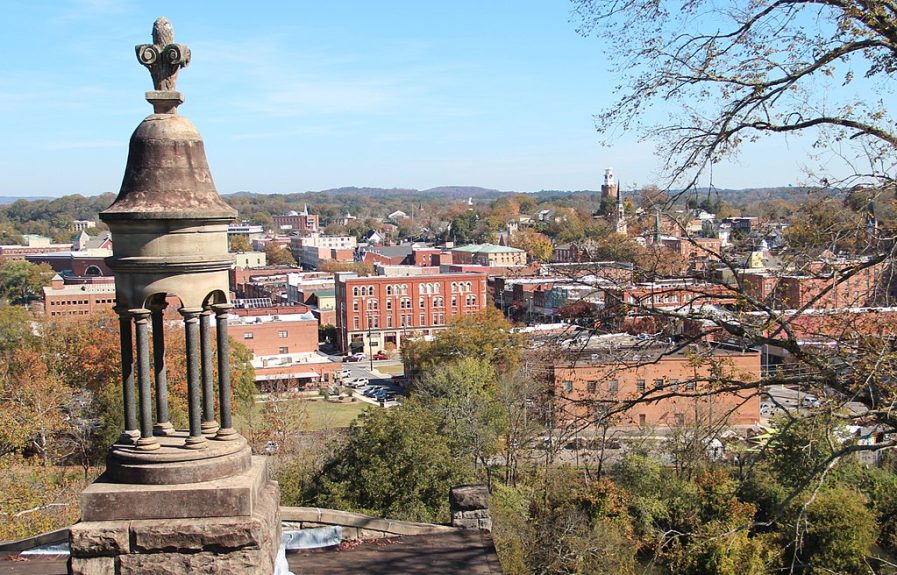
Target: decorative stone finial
[{"x": 163, "y": 58}]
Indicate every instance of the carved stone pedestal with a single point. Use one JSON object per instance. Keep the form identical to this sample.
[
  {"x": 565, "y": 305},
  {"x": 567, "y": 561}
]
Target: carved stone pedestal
[{"x": 224, "y": 526}]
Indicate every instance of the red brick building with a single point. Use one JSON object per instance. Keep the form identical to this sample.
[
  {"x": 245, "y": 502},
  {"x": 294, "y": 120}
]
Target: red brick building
[
  {"x": 79, "y": 299},
  {"x": 672, "y": 295},
  {"x": 827, "y": 287},
  {"x": 284, "y": 345},
  {"x": 273, "y": 331},
  {"x": 301, "y": 222},
  {"x": 76, "y": 263},
  {"x": 13, "y": 252},
  {"x": 377, "y": 312},
  {"x": 688, "y": 248},
  {"x": 657, "y": 387}
]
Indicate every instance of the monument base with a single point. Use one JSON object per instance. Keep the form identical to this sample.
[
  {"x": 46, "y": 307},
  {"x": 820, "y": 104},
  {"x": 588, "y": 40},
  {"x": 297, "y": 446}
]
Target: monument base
[{"x": 246, "y": 541}]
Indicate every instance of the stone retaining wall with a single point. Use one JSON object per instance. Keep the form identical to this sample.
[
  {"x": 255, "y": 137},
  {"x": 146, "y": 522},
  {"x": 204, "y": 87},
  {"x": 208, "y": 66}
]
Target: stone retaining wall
[{"x": 355, "y": 525}]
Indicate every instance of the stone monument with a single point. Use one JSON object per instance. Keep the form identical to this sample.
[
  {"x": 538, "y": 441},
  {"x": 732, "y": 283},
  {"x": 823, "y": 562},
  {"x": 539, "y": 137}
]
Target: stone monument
[{"x": 171, "y": 500}]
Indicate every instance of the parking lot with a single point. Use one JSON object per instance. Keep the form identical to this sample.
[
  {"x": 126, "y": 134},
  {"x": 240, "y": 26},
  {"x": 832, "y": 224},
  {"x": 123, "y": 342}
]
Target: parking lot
[{"x": 353, "y": 371}]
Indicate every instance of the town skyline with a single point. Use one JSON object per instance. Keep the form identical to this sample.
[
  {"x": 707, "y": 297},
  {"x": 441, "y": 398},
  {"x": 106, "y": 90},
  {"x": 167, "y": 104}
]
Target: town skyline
[{"x": 315, "y": 98}]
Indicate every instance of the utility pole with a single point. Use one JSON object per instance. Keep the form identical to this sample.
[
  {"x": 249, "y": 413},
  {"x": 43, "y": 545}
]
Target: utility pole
[{"x": 370, "y": 344}]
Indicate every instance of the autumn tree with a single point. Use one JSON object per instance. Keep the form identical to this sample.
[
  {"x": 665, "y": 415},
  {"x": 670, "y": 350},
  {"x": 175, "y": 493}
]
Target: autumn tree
[
  {"x": 732, "y": 73},
  {"x": 360, "y": 268},
  {"x": 395, "y": 463},
  {"x": 238, "y": 244},
  {"x": 464, "y": 395},
  {"x": 21, "y": 280},
  {"x": 485, "y": 336},
  {"x": 278, "y": 255},
  {"x": 537, "y": 246}
]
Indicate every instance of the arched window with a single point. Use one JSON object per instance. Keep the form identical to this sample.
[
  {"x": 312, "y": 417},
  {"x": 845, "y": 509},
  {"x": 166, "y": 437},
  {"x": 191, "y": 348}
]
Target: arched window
[
  {"x": 364, "y": 290},
  {"x": 454, "y": 287},
  {"x": 370, "y": 290},
  {"x": 404, "y": 289},
  {"x": 355, "y": 291},
  {"x": 469, "y": 288},
  {"x": 436, "y": 288},
  {"x": 388, "y": 290},
  {"x": 93, "y": 271}
]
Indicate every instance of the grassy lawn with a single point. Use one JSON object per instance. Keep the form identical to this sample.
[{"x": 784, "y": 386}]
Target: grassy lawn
[
  {"x": 391, "y": 369},
  {"x": 328, "y": 415}
]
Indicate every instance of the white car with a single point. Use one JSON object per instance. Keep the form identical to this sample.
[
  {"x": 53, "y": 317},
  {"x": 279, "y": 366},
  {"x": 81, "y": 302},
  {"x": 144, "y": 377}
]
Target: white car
[
  {"x": 357, "y": 382},
  {"x": 344, "y": 373}
]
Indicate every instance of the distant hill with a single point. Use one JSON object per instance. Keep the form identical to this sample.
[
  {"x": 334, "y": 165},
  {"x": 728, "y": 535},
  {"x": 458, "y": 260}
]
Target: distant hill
[{"x": 6, "y": 200}]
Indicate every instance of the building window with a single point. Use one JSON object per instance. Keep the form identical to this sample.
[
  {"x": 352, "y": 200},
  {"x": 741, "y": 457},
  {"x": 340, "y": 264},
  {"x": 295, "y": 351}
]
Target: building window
[
  {"x": 641, "y": 419},
  {"x": 568, "y": 386},
  {"x": 364, "y": 290},
  {"x": 248, "y": 335},
  {"x": 423, "y": 319},
  {"x": 355, "y": 322},
  {"x": 592, "y": 386},
  {"x": 283, "y": 333},
  {"x": 388, "y": 290},
  {"x": 674, "y": 384},
  {"x": 658, "y": 383},
  {"x": 354, "y": 306},
  {"x": 389, "y": 304},
  {"x": 283, "y": 350},
  {"x": 640, "y": 385},
  {"x": 680, "y": 419},
  {"x": 454, "y": 301},
  {"x": 389, "y": 321},
  {"x": 690, "y": 385},
  {"x": 613, "y": 386},
  {"x": 355, "y": 291},
  {"x": 435, "y": 288},
  {"x": 421, "y": 303},
  {"x": 454, "y": 288}
]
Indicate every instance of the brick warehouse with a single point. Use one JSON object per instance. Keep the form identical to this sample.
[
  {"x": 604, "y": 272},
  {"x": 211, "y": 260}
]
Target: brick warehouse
[
  {"x": 623, "y": 370},
  {"x": 375, "y": 313}
]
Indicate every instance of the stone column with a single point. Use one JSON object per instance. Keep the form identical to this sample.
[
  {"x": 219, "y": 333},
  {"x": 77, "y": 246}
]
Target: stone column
[
  {"x": 470, "y": 507},
  {"x": 163, "y": 419},
  {"x": 131, "y": 432},
  {"x": 146, "y": 442},
  {"x": 227, "y": 431},
  {"x": 191, "y": 325},
  {"x": 209, "y": 425}
]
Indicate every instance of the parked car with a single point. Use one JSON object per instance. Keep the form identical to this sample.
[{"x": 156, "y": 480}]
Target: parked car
[
  {"x": 372, "y": 390},
  {"x": 354, "y": 357},
  {"x": 380, "y": 356},
  {"x": 357, "y": 382},
  {"x": 344, "y": 373}
]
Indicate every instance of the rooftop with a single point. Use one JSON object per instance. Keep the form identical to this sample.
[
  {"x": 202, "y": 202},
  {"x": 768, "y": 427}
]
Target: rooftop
[
  {"x": 487, "y": 249},
  {"x": 471, "y": 552}
]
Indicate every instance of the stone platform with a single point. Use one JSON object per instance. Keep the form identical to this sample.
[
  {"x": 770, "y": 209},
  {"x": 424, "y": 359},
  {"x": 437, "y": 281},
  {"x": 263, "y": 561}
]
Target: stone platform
[
  {"x": 226, "y": 526},
  {"x": 173, "y": 463}
]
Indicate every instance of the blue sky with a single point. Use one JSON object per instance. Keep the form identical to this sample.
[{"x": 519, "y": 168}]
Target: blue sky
[{"x": 298, "y": 96}]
